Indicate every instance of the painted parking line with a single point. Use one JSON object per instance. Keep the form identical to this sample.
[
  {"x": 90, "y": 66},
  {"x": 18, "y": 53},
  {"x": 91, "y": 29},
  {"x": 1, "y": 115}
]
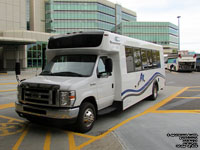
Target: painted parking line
[
  {"x": 21, "y": 138},
  {"x": 10, "y": 126},
  {"x": 4, "y": 106},
  {"x": 178, "y": 97},
  {"x": 91, "y": 139},
  {"x": 10, "y": 90},
  {"x": 163, "y": 102},
  {"x": 8, "y": 83},
  {"x": 11, "y": 119},
  {"x": 149, "y": 110},
  {"x": 47, "y": 141},
  {"x": 188, "y": 97},
  {"x": 3, "y": 73},
  {"x": 193, "y": 90},
  {"x": 175, "y": 111}
]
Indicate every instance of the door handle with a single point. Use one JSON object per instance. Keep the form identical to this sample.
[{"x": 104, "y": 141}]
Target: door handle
[{"x": 92, "y": 84}]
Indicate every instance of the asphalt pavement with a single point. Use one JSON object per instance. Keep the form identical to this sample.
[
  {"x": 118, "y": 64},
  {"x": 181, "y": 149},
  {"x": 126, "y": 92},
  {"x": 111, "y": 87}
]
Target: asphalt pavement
[{"x": 170, "y": 122}]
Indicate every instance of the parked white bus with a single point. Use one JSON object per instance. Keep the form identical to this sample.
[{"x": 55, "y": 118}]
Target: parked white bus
[
  {"x": 197, "y": 65},
  {"x": 181, "y": 62},
  {"x": 92, "y": 73}
]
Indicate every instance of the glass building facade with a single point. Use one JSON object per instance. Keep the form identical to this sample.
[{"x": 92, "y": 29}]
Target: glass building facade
[
  {"x": 66, "y": 16},
  {"x": 162, "y": 33},
  {"x": 34, "y": 54}
]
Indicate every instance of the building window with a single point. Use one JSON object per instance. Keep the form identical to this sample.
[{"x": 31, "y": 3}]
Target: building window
[
  {"x": 34, "y": 54},
  {"x": 118, "y": 14}
]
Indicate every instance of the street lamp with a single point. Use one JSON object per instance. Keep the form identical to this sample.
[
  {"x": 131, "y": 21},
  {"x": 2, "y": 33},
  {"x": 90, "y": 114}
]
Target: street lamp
[{"x": 179, "y": 32}]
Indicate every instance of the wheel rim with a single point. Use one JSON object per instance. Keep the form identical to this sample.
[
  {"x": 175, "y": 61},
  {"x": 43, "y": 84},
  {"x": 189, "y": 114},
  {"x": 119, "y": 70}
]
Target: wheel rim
[{"x": 88, "y": 117}]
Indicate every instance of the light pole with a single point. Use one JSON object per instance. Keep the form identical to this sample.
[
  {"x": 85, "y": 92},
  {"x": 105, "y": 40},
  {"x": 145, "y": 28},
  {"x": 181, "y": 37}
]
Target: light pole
[{"x": 178, "y": 32}]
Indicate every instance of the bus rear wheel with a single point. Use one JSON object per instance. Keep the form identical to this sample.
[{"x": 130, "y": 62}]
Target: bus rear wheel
[{"x": 154, "y": 92}]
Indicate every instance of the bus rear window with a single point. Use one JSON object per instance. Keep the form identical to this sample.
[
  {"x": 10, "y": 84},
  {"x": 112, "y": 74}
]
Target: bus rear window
[
  {"x": 171, "y": 60},
  {"x": 76, "y": 41}
]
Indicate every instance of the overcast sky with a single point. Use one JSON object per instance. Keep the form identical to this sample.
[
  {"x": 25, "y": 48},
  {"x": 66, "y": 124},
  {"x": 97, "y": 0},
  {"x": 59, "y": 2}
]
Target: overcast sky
[{"x": 168, "y": 10}]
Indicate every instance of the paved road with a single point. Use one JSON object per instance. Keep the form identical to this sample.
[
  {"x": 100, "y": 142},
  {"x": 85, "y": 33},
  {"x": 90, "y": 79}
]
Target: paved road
[
  {"x": 182, "y": 79},
  {"x": 138, "y": 127},
  {"x": 171, "y": 124}
]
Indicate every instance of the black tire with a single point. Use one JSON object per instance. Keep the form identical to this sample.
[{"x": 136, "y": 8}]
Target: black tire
[
  {"x": 86, "y": 117},
  {"x": 154, "y": 92}
]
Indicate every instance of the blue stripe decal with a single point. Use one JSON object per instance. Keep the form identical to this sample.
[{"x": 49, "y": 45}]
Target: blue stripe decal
[{"x": 142, "y": 88}]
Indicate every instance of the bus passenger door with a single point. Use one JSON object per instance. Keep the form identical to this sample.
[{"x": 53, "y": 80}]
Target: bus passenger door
[{"x": 105, "y": 85}]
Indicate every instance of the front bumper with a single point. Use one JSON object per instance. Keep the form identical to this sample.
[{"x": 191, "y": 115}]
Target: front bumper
[{"x": 56, "y": 113}]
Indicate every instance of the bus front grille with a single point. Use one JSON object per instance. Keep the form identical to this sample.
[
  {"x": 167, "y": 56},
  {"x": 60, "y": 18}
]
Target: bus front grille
[{"x": 38, "y": 94}]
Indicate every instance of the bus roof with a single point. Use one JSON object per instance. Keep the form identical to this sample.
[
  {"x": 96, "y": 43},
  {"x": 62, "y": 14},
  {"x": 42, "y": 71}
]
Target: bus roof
[{"x": 101, "y": 40}]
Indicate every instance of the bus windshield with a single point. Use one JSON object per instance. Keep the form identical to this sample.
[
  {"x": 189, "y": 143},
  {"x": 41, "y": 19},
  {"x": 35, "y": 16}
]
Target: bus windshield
[{"x": 71, "y": 65}]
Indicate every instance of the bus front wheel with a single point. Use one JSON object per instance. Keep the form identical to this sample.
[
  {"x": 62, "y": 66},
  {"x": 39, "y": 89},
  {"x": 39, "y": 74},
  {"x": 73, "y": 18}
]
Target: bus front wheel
[{"x": 86, "y": 117}]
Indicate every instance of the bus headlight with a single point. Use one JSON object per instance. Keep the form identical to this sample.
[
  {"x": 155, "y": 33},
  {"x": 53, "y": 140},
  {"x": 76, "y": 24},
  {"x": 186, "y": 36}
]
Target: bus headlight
[{"x": 67, "y": 98}]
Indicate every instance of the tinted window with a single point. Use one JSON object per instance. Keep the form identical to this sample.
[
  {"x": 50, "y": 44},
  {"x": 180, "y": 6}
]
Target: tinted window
[
  {"x": 101, "y": 66},
  {"x": 157, "y": 53},
  {"x": 101, "y": 69},
  {"x": 198, "y": 60},
  {"x": 75, "y": 41},
  {"x": 144, "y": 59},
  {"x": 149, "y": 58},
  {"x": 129, "y": 59},
  {"x": 171, "y": 60},
  {"x": 137, "y": 59},
  {"x": 71, "y": 65},
  {"x": 141, "y": 59}
]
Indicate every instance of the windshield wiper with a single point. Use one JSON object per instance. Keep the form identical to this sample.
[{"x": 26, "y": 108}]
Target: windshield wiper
[
  {"x": 45, "y": 73},
  {"x": 68, "y": 74}
]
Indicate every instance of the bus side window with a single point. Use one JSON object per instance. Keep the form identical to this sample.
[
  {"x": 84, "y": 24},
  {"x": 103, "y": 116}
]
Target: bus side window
[
  {"x": 144, "y": 59},
  {"x": 101, "y": 69},
  {"x": 137, "y": 59},
  {"x": 149, "y": 58},
  {"x": 129, "y": 59},
  {"x": 156, "y": 59}
]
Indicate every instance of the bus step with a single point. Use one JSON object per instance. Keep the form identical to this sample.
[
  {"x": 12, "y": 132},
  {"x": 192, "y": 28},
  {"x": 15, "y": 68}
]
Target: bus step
[{"x": 107, "y": 110}]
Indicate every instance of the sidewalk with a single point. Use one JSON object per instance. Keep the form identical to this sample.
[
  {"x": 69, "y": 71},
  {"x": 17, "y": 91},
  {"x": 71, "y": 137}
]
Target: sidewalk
[{"x": 10, "y": 75}]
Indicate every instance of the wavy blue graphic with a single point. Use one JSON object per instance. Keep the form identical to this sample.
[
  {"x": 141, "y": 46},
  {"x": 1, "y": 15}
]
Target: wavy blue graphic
[{"x": 146, "y": 84}]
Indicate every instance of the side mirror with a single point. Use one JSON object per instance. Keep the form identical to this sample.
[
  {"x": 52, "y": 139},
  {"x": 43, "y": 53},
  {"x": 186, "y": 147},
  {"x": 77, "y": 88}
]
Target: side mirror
[
  {"x": 17, "y": 68},
  {"x": 108, "y": 65}
]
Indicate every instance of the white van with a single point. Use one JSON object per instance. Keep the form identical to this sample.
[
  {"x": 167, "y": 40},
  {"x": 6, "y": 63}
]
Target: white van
[{"x": 91, "y": 73}]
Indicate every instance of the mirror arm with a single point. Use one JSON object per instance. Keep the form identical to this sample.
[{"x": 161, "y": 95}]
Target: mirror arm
[{"x": 17, "y": 78}]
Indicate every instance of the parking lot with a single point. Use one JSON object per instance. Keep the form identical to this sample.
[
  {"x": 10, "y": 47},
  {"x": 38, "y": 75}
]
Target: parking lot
[{"x": 149, "y": 125}]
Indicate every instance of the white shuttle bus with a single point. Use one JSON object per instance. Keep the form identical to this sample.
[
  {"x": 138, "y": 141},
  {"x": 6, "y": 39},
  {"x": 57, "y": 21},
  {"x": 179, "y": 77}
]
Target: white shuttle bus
[
  {"x": 92, "y": 73},
  {"x": 181, "y": 61}
]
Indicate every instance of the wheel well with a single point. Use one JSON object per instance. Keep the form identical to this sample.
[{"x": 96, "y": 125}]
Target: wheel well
[{"x": 91, "y": 100}]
